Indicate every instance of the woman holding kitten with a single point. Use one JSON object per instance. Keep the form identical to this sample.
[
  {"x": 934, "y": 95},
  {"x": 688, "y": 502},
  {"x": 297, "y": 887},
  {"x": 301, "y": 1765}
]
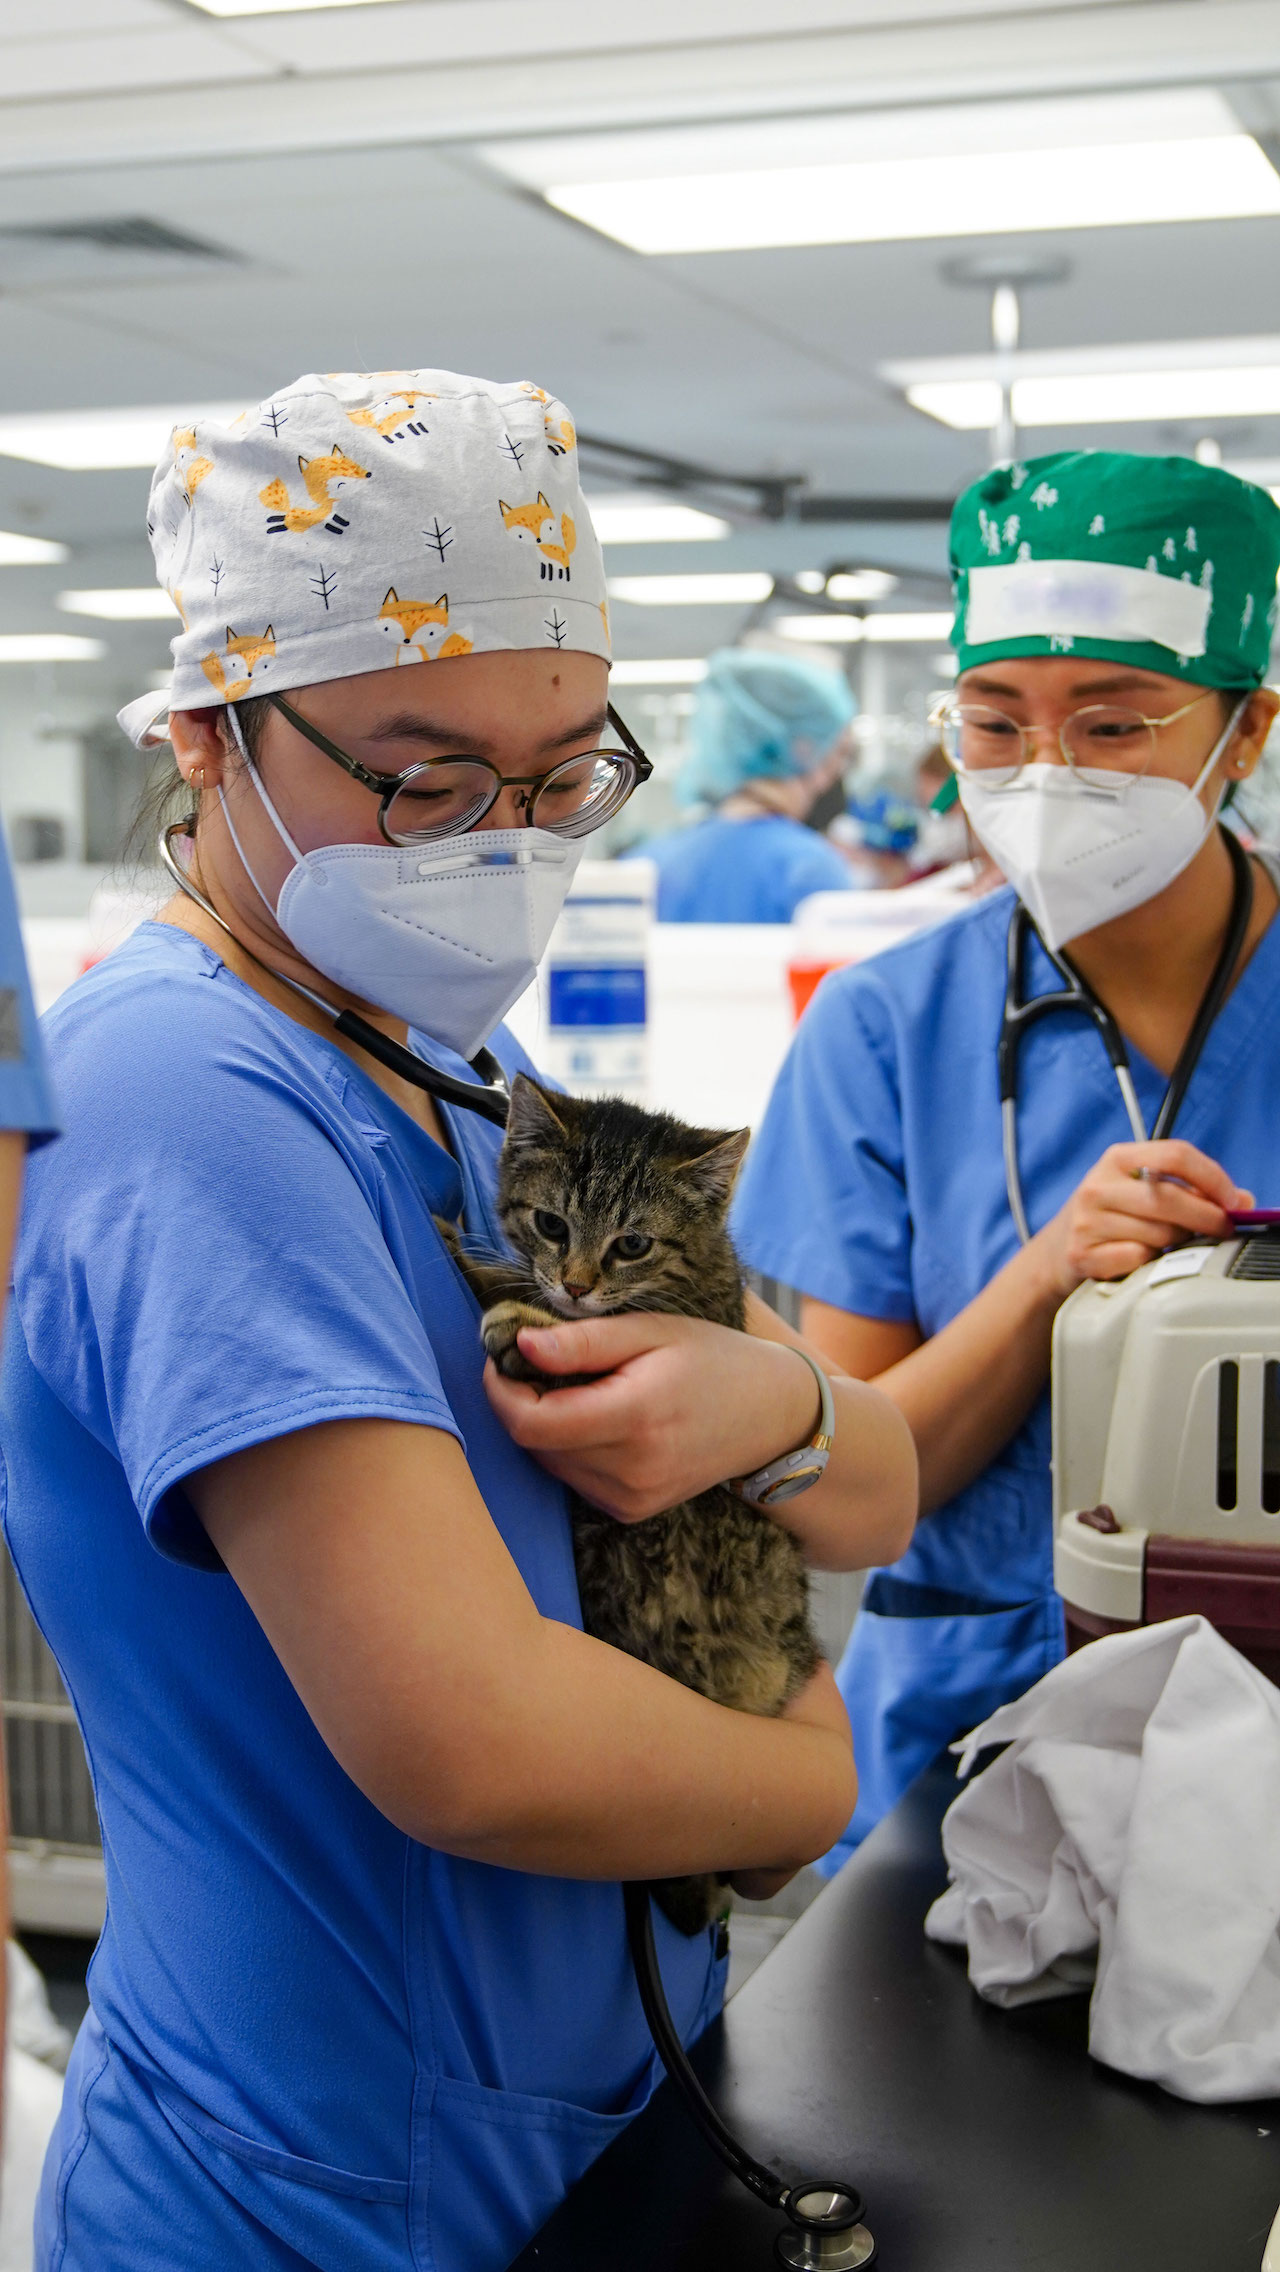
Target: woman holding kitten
[{"x": 367, "y": 1789}]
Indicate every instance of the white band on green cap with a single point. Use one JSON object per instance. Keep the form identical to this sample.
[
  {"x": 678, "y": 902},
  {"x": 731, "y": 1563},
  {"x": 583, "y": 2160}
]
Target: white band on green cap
[{"x": 1085, "y": 599}]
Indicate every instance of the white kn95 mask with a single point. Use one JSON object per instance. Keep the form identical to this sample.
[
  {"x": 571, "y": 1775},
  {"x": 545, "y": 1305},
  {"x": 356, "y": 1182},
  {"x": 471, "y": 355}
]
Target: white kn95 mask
[
  {"x": 1081, "y": 847},
  {"x": 446, "y": 936}
]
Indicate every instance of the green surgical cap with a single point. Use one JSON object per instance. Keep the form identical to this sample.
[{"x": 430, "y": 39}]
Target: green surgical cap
[{"x": 1163, "y": 563}]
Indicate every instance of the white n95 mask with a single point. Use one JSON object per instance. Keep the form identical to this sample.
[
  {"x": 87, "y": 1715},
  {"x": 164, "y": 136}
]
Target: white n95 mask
[
  {"x": 446, "y": 936},
  {"x": 1081, "y": 847}
]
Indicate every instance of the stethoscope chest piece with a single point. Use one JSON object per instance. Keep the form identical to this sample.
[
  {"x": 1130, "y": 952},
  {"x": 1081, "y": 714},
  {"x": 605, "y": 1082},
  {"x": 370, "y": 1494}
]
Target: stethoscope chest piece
[{"x": 827, "y": 2233}]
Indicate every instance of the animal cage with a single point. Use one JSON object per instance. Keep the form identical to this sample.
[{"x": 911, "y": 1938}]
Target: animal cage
[{"x": 56, "y": 1882}]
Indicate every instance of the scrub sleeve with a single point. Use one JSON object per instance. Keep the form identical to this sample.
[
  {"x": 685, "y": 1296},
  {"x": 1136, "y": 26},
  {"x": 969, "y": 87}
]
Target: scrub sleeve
[{"x": 312, "y": 2040}]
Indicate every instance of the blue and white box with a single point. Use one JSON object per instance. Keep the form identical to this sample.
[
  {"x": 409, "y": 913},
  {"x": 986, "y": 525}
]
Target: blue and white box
[{"x": 595, "y": 990}]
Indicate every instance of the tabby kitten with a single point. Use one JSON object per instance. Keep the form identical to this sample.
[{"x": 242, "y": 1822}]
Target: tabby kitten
[{"x": 611, "y": 1208}]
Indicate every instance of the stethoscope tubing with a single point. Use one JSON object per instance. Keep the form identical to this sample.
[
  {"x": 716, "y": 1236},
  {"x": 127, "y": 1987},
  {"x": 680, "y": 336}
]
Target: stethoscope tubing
[
  {"x": 488, "y": 1094},
  {"x": 1021, "y": 1012}
]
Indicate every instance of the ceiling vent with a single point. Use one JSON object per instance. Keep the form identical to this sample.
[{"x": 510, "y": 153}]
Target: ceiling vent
[{"x": 54, "y": 256}]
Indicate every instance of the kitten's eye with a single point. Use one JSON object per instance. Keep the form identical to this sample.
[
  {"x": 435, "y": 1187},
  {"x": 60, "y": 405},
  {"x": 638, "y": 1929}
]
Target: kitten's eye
[
  {"x": 632, "y": 1246},
  {"x": 551, "y": 1227}
]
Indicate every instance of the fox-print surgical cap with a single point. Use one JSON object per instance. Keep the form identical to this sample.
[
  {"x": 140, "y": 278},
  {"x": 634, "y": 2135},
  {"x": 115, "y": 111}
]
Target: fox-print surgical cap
[{"x": 360, "y": 520}]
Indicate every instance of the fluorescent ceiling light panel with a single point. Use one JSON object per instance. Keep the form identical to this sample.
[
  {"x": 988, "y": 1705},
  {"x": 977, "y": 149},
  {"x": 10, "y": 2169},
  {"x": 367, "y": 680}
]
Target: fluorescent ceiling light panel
[
  {"x": 120, "y": 604},
  {"x": 28, "y": 551},
  {"x": 640, "y": 519},
  {"x": 81, "y": 441},
  {"x": 1189, "y": 380},
  {"x": 49, "y": 647},
  {"x": 859, "y": 137},
  {"x": 680, "y": 670},
  {"x": 1107, "y": 398},
  {"x": 739, "y": 590},
  {"x": 861, "y": 584},
  {"x": 922, "y": 624},
  {"x": 274, "y": 7},
  {"x": 890, "y": 200},
  {"x": 919, "y": 628},
  {"x": 822, "y": 630}
]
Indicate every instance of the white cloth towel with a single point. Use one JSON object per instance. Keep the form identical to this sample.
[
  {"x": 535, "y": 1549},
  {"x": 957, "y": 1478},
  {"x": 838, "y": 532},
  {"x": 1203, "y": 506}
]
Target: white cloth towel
[
  {"x": 36, "y": 2056},
  {"x": 1130, "y": 1836}
]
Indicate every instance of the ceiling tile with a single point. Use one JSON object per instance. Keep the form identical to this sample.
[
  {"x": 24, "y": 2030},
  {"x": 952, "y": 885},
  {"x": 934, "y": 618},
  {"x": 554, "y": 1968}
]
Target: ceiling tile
[
  {"x": 59, "y": 19},
  {"x": 172, "y": 55},
  {"x": 463, "y": 31}
]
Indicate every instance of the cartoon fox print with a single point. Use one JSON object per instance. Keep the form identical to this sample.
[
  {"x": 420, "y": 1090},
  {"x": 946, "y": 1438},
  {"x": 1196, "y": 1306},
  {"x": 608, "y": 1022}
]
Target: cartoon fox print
[
  {"x": 192, "y": 468},
  {"x": 319, "y": 476},
  {"x": 392, "y": 423},
  {"x": 421, "y": 626},
  {"x": 534, "y": 524},
  {"x": 560, "y": 432},
  {"x": 248, "y": 649}
]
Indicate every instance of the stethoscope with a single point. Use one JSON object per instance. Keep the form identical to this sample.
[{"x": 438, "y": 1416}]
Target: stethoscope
[
  {"x": 488, "y": 1094},
  {"x": 825, "y": 2216},
  {"x": 1022, "y": 1012}
]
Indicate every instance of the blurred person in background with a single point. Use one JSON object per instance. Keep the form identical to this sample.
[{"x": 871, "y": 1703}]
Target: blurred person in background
[
  {"x": 878, "y": 835},
  {"x": 768, "y": 736},
  {"x": 1113, "y": 626}
]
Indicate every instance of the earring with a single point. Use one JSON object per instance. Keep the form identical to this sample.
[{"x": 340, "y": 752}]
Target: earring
[{"x": 197, "y": 776}]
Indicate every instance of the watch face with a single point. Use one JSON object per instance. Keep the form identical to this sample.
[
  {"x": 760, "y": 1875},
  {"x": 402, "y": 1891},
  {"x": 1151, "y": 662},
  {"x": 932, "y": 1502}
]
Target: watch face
[{"x": 791, "y": 1485}]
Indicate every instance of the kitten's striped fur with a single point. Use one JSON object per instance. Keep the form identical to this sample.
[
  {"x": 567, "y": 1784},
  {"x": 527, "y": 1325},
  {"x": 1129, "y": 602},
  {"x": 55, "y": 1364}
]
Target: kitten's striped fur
[{"x": 712, "y": 1593}]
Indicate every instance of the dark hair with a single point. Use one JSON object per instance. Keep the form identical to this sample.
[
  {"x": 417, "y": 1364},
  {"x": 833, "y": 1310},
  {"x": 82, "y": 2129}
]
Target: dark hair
[{"x": 168, "y": 797}]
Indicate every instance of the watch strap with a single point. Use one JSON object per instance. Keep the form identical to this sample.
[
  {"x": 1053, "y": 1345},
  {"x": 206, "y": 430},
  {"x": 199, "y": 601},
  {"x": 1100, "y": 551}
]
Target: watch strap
[{"x": 797, "y": 1471}]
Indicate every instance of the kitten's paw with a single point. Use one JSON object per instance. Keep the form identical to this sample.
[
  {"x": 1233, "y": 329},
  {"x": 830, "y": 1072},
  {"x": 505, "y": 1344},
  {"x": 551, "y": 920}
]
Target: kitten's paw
[{"x": 498, "y": 1329}]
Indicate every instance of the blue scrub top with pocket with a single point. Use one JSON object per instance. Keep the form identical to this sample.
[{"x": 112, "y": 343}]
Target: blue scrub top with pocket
[
  {"x": 754, "y": 870},
  {"x": 312, "y": 2042},
  {"x": 876, "y": 1184}
]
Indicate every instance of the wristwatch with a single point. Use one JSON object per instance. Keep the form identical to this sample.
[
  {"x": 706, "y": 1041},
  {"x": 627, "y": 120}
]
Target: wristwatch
[{"x": 797, "y": 1471}]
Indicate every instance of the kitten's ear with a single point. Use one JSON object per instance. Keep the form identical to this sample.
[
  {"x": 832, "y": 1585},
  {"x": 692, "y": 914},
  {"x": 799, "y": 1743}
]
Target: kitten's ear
[
  {"x": 713, "y": 1173},
  {"x": 532, "y": 1121}
]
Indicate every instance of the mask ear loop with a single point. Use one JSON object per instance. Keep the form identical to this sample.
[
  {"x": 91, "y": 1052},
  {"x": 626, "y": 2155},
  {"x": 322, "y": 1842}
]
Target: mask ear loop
[
  {"x": 299, "y": 858},
  {"x": 1222, "y": 744}
]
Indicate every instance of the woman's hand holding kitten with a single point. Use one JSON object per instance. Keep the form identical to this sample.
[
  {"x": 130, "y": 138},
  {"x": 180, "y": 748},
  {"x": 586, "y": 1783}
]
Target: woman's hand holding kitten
[{"x": 679, "y": 1405}]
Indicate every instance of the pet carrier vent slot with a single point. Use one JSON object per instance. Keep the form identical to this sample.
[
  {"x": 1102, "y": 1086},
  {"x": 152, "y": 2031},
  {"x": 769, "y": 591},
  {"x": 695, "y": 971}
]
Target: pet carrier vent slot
[
  {"x": 1259, "y": 1257},
  {"x": 1271, "y": 1438},
  {"x": 1228, "y": 1418}
]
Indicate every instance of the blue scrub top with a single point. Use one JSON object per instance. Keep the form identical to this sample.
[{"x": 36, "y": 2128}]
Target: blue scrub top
[
  {"x": 312, "y": 2040},
  {"x": 742, "y": 871},
  {"x": 876, "y": 1184},
  {"x": 26, "y": 1100}
]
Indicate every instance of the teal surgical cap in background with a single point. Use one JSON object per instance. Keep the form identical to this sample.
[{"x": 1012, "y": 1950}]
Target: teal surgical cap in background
[{"x": 760, "y": 716}]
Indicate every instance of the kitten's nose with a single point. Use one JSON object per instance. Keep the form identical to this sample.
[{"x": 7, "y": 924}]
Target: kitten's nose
[{"x": 575, "y": 1287}]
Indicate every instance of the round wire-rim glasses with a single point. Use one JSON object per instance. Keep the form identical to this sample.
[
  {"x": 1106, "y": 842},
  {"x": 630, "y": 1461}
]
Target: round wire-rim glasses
[
  {"x": 1101, "y": 737},
  {"x": 446, "y": 796}
]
